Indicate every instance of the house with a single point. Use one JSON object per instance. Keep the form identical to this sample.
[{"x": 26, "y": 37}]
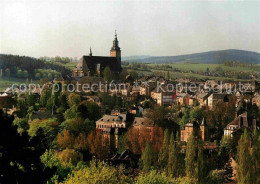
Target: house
[
  {"x": 146, "y": 88},
  {"x": 112, "y": 126},
  {"x": 126, "y": 158},
  {"x": 239, "y": 123},
  {"x": 143, "y": 124},
  {"x": 202, "y": 98},
  {"x": 164, "y": 95},
  {"x": 183, "y": 98},
  {"x": 111, "y": 121},
  {"x": 42, "y": 115},
  {"x": 216, "y": 97},
  {"x": 193, "y": 127}
]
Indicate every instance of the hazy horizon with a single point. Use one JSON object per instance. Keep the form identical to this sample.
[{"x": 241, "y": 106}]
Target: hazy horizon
[{"x": 69, "y": 28}]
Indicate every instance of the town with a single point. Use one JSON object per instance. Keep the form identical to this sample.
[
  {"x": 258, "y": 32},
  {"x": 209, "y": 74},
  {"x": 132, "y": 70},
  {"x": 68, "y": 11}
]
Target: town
[
  {"x": 188, "y": 131},
  {"x": 129, "y": 92}
]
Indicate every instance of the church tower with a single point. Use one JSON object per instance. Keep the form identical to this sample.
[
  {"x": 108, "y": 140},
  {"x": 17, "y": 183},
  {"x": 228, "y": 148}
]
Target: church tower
[{"x": 115, "y": 50}]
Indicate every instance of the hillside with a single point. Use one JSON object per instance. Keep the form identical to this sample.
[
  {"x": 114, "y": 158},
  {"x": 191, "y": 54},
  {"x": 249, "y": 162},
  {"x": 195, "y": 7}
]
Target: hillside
[{"x": 211, "y": 57}]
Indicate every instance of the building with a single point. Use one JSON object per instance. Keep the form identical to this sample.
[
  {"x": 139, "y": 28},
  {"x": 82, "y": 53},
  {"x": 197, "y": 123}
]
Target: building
[
  {"x": 164, "y": 95},
  {"x": 144, "y": 125},
  {"x": 94, "y": 65},
  {"x": 202, "y": 98},
  {"x": 193, "y": 127},
  {"x": 112, "y": 126},
  {"x": 183, "y": 98},
  {"x": 216, "y": 97},
  {"x": 240, "y": 122}
]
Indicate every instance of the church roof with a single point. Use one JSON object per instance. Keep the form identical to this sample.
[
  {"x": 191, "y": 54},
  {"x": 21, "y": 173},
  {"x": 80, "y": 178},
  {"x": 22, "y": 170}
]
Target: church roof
[{"x": 92, "y": 61}]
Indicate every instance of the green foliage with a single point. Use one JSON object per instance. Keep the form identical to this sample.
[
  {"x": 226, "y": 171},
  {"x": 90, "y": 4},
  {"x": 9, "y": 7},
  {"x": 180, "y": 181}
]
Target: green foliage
[
  {"x": 30, "y": 66},
  {"x": 98, "y": 172},
  {"x": 77, "y": 125},
  {"x": 164, "y": 152},
  {"x": 201, "y": 163},
  {"x": 255, "y": 156},
  {"x": 216, "y": 177},
  {"x": 196, "y": 114},
  {"x": 190, "y": 158},
  {"x": 244, "y": 169},
  {"x": 49, "y": 127},
  {"x": 227, "y": 146},
  {"x": 185, "y": 118},
  {"x": 154, "y": 177},
  {"x": 51, "y": 160},
  {"x": 174, "y": 166},
  {"x": 147, "y": 158},
  {"x": 74, "y": 99},
  {"x": 72, "y": 112},
  {"x": 22, "y": 124}
]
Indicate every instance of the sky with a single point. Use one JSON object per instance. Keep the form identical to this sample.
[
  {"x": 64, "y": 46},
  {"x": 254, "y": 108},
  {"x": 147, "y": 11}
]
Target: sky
[{"x": 158, "y": 28}]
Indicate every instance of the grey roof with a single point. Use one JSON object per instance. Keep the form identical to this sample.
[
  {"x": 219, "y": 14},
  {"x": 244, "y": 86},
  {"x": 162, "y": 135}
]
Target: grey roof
[{"x": 139, "y": 121}]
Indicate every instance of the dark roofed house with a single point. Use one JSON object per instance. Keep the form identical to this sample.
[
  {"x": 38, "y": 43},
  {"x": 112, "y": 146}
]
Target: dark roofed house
[
  {"x": 237, "y": 126},
  {"x": 95, "y": 65},
  {"x": 42, "y": 115}
]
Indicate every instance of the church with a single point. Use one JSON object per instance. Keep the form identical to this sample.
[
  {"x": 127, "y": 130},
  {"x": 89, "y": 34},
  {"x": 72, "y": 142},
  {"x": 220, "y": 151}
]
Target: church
[{"x": 94, "y": 65}]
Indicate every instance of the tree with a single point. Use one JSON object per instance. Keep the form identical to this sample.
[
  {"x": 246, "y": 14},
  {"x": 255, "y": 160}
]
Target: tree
[
  {"x": 59, "y": 171},
  {"x": 164, "y": 152},
  {"x": 190, "y": 158},
  {"x": 108, "y": 75},
  {"x": 49, "y": 127},
  {"x": 69, "y": 156},
  {"x": 255, "y": 157},
  {"x": 81, "y": 142},
  {"x": 174, "y": 166},
  {"x": 98, "y": 172},
  {"x": 22, "y": 124},
  {"x": 7, "y": 72},
  {"x": 76, "y": 126},
  {"x": 65, "y": 139},
  {"x": 201, "y": 163},
  {"x": 185, "y": 118},
  {"x": 137, "y": 139},
  {"x": 95, "y": 141},
  {"x": 89, "y": 110},
  {"x": 74, "y": 99},
  {"x": 45, "y": 95},
  {"x": 147, "y": 158},
  {"x": 196, "y": 114},
  {"x": 244, "y": 169}
]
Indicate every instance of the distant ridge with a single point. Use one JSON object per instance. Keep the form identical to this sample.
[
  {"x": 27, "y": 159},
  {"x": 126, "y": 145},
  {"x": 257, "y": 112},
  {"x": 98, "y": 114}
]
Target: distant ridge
[{"x": 211, "y": 57}]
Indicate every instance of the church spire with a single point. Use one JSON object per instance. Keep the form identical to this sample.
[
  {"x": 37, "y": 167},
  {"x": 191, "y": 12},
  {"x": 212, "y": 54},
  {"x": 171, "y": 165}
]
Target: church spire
[
  {"x": 115, "y": 50},
  {"x": 90, "y": 52}
]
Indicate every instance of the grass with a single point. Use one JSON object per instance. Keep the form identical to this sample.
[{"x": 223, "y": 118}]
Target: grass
[
  {"x": 185, "y": 70},
  {"x": 203, "y": 67},
  {"x": 6, "y": 82}
]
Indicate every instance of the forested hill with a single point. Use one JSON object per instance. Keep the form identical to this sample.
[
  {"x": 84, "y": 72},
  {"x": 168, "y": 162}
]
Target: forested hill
[
  {"x": 211, "y": 57},
  {"x": 28, "y": 67}
]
